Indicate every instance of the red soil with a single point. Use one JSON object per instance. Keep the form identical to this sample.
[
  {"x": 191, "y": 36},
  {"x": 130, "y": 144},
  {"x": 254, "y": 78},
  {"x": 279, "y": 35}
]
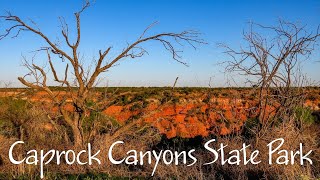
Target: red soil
[{"x": 187, "y": 118}]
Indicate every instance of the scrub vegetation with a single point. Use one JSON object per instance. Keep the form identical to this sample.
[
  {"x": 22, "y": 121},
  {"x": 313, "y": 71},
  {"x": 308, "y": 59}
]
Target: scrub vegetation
[{"x": 279, "y": 102}]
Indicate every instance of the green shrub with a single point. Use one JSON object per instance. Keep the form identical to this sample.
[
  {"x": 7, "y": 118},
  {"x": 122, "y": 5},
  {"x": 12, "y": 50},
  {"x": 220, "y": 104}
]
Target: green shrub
[
  {"x": 136, "y": 106},
  {"x": 103, "y": 124},
  {"x": 13, "y": 116},
  {"x": 304, "y": 115},
  {"x": 250, "y": 127}
]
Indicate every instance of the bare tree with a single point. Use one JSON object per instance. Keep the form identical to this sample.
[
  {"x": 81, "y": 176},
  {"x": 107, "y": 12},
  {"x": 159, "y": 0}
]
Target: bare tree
[
  {"x": 271, "y": 62},
  {"x": 85, "y": 80}
]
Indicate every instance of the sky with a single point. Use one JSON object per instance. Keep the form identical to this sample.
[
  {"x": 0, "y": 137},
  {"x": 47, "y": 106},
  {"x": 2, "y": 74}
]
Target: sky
[{"x": 118, "y": 22}]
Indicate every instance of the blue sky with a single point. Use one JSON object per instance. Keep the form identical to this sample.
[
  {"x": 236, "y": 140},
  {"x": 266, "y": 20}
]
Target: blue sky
[{"x": 115, "y": 22}]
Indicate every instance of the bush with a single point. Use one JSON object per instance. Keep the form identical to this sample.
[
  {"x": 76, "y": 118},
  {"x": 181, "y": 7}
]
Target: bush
[
  {"x": 13, "y": 116},
  {"x": 304, "y": 115},
  {"x": 99, "y": 123}
]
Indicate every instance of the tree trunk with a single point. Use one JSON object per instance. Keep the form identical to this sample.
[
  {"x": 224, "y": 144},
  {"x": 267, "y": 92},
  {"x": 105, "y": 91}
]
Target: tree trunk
[
  {"x": 261, "y": 104},
  {"x": 75, "y": 123},
  {"x": 77, "y": 132}
]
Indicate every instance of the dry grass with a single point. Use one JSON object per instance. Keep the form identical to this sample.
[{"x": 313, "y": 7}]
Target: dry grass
[{"x": 41, "y": 133}]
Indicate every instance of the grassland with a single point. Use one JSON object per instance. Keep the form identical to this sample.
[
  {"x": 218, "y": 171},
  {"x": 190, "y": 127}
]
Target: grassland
[{"x": 179, "y": 118}]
